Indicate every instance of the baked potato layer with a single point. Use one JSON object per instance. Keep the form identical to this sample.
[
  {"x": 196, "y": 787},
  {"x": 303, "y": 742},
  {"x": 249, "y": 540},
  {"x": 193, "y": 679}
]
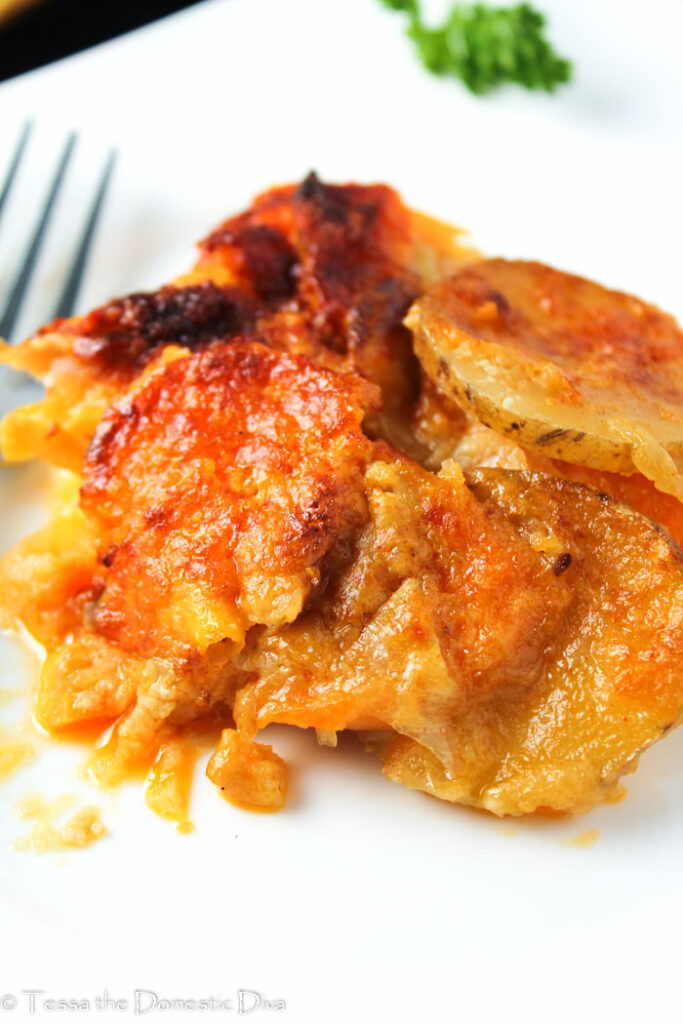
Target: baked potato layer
[
  {"x": 514, "y": 678},
  {"x": 611, "y": 683}
]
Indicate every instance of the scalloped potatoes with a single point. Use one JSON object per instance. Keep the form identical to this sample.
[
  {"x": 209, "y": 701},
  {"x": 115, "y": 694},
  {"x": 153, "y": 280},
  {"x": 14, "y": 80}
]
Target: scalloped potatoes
[{"x": 261, "y": 534}]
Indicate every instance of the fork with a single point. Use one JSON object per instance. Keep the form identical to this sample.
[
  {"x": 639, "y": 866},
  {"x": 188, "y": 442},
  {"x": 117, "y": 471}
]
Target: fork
[{"x": 67, "y": 299}]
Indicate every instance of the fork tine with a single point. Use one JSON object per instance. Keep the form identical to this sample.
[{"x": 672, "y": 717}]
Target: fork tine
[
  {"x": 14, "y": 163},
  {"x": 22, "y": 281},
  {"x": 67, "y": 300}
]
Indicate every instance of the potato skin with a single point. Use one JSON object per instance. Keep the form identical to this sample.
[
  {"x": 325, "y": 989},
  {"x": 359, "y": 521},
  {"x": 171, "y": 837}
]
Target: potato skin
[{"x": 560, "y": 364}]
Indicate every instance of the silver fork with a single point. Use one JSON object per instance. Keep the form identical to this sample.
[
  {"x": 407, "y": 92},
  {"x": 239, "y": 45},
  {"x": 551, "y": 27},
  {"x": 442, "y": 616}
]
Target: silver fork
[{"x": 69, "y": 293}]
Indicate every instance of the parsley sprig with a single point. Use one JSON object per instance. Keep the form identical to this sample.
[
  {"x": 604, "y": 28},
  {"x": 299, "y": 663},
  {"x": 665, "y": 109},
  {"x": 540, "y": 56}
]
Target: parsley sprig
[{"x": 485, "y": 46}]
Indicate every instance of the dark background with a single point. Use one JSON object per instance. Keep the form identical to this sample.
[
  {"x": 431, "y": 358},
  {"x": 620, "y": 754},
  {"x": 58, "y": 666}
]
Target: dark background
[{"x": 52, "y": 29}]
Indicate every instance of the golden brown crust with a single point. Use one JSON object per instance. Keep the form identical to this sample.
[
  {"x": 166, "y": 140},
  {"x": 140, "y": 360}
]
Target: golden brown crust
[
  {"x": 322, "y": 270},
  {"x": 120, "y": 338},
  {"x": 218, "y": 483}
]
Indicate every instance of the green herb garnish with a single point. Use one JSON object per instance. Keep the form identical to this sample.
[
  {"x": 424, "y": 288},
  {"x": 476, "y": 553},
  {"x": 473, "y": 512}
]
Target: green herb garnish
[{"x": 486, "y": 46}]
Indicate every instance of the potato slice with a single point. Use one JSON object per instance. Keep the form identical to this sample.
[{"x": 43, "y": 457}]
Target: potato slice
[
  {"x": 444, "y": 431},
  {"x": 561, "y": 364},
  {"x": 635, "y": 490},
  {"x": 612, "y": 684}
]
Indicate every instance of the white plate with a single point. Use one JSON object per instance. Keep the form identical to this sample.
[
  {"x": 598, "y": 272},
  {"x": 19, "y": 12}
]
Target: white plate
[{"x": 362, "y": 899}]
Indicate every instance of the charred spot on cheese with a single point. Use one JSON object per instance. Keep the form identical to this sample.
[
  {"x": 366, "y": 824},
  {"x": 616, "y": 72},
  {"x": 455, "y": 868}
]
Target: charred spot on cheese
[
  {"x": 562, "y": 562},
  {"x": 123, "y": 335},
  {"x": 348, "y": 269},
  {"x": 265, "y": 258},
  {"x": 337, "y": 250}
]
